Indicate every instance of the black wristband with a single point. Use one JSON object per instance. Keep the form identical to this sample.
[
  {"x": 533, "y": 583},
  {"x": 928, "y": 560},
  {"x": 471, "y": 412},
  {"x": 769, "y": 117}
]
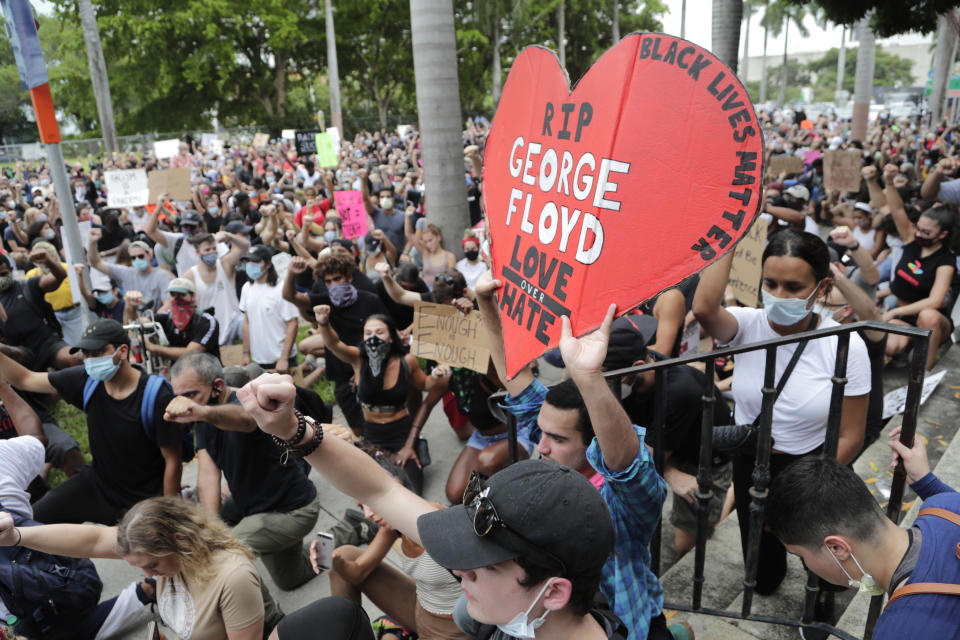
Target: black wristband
[
  {"x": 298, "y": 436},
  {"x": 308, "y": 447}
]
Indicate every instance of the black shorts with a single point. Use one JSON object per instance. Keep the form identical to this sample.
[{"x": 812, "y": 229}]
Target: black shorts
[{"x": 339, "y": 617}]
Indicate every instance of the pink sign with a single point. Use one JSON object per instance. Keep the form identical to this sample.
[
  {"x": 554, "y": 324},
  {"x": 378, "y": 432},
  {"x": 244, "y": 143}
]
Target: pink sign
[
  {"x": 352, "y": 213},
  {"x": 810, "y": 156}
]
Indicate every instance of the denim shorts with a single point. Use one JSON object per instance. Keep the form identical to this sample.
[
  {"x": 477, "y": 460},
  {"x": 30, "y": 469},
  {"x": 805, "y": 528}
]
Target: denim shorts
[{"x": 480, "y": 441}]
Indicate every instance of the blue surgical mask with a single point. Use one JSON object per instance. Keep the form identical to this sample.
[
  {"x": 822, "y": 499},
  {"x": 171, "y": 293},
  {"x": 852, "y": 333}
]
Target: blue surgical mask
[
  {"x": 254, "y": 270},
  {"x": 102, "y": 368},
  {"x": 105, "y": 298},
  {"x": 329, "y": 236},
  {"x": 786, "y": 312},
  {"x": 141, "y": 264},
  {"x": 520, "y": 627},
  {"x": 213, "y": 210}
]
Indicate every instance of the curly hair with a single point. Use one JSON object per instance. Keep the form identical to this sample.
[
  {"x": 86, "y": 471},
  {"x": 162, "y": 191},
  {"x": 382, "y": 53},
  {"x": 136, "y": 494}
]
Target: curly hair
[
  {"x": 335, "y": 263},
  {"x": 168, "y": 526}
]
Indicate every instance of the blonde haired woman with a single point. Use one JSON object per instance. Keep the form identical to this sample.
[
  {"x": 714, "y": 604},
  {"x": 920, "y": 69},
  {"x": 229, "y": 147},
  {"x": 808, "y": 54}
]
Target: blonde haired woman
[{"x": 207, "y": 585}]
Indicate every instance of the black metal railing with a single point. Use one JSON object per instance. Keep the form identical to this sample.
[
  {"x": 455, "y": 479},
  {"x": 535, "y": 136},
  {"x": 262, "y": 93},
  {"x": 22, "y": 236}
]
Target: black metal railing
[{"x": 761, "y": 473}]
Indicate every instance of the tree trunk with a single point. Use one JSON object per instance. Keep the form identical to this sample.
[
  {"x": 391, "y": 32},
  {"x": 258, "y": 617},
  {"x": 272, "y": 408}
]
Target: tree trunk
[
  {"x": 943, "y": 64},
  {"x": 616, "y": 21},
  {"x": 763, "y": 67},
  {"x": 782, "y": 96},
  {"x": 746, "y": 45},
  {"x": 561, "y": 32},
  {"x": 725, "y": 31},
  {"x": 438, "y": 103},
  {"x": 98, "y": 75},
  {"x": 683, "y": 19},
  {"x": 333, "y": 73},
  {"x": 863, "y": 86},
  {"x": 841, "y": 65},
  {"x": 497, "y": 72},
  {"x": 382, "y": 105}
]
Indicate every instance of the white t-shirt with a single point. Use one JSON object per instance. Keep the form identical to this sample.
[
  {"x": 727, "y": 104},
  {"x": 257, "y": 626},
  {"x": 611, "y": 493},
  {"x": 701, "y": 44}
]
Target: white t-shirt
[
  {"x": 471, "y": 272},
  {"x": 268, "y": 314},
  {"x": 866, "y": 238},
  {"x": 800, "y": 412},
  {"x": 21, "y": 460}
]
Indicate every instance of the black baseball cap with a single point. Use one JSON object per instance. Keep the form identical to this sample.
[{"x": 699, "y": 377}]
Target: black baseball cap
[
  {"x": 99, "y": 334},
  {"x": 237, "y": 226},
  {"x": 191, "y": 218},
  {"x": 549, "y": 511},
  {"x": 629, "y": 337},
  {"x": 258, "y": 253}
]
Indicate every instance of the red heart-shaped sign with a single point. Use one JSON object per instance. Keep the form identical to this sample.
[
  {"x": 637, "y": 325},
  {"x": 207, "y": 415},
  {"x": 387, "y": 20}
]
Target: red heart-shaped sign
[{"x": 645, "y": 173}]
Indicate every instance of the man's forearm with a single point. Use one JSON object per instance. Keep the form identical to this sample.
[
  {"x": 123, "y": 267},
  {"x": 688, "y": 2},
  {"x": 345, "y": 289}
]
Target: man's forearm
[
  {"x": 615, "y": 433},
  {"x": 228, "y": 417},
  {"x": 289, "y": 339},
  {"x": 931, "y": 186},
  {"x": 171, "y": 477}
]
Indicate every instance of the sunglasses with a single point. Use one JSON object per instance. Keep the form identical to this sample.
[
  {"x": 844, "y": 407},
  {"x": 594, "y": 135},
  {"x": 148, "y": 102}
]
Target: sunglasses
[
  {"x": 486, "y": 519},
  {"x": 447, "y": 279}
]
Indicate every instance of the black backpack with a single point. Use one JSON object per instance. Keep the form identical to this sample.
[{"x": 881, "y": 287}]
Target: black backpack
[{"x": 50, "y": 595}]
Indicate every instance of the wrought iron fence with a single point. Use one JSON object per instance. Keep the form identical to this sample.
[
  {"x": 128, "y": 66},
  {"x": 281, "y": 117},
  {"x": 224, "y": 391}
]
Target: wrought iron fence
[{"x": 761, "y": 473}]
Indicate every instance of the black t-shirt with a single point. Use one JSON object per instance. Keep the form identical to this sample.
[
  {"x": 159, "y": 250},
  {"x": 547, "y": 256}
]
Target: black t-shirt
[
  {"x": 473, "y": 203},
  {"x": 251, "y": 464},
  {"x": 7, "y": 428},
  {"x": 402, "y": 314},
  {"x": 202, "y": 328},
  {"x": 24, "y": 326},
  {"x": 348, "y": 323},
  {"x": 127, "y": 464},
  {"x": 913, "y": 276},
  {"x": 684, "y": 414},
  {"x": 113, "y": 239}
]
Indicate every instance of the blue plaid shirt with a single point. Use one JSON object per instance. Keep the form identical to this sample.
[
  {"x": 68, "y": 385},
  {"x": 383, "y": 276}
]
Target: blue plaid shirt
[{"x": 635, "y": 499}]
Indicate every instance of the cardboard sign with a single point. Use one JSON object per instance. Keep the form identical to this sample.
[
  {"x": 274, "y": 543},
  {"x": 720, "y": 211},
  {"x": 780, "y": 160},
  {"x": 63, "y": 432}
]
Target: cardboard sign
[
  {"x": 604, "y": 194},
  {"x": 174, "y": 182},
  {"x": 163, "y": 149},
  {"x": 231, "y": 355},
  {"x": 841, "y": 170},
  {"x": 746, "y": 269},
  {"x": 306, "y": 141},
  {"x": 260, "y": 140},
  {"x": 288, "y": 134},
  {"x": 785, "y": 164},
  {"x": 442, "y": 333},
  {"x": 326, "y": 152},
  {"x": 352, "y": 213},
  {"x": 127, "y": 188},
  {"x": 690, "y": 342}
]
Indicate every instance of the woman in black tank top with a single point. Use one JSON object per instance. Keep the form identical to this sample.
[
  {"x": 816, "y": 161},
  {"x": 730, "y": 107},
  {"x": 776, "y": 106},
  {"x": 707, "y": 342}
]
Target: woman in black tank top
[{"x": 383, "y": 373}]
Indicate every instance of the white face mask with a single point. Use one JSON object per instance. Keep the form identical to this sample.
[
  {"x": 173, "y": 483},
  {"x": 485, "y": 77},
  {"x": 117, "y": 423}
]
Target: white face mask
[
  {"x": 866, "y": 583},
  {"x": 520, "y": 627}
]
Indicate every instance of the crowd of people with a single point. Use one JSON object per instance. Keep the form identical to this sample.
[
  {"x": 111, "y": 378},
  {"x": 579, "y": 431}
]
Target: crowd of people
[{"x": 255, "y": 265}]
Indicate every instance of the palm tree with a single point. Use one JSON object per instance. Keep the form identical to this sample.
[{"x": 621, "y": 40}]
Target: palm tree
[
  {"x": 942, "y": 63},
  {"x": 863, "y": 85},
  {"x": 616, "y": 21},
  {"x": 438, "y": 104},
  {"x": 561, "y": 32},
  {"x": 725, "y": 30},
  {"x": 749, "y": 8},
  {"x": 841, "y": 65},
  {"x": 98, "y": 74},
  {"x": 778, "y": 16},
  {"x": 333, "y": 73}
]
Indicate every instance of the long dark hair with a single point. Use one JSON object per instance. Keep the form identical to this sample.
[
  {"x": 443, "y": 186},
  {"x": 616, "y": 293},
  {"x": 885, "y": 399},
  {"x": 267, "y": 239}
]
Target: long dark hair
[
  {"x": 396, "y": 345},
  {"x": 945, "y": 215},
  {"x": 800, "y": 244}
]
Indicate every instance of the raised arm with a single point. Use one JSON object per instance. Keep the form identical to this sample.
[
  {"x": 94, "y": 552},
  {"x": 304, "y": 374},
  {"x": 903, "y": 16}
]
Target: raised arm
[
  {"x": 297, "y": 266},
  {"x": 26, "y": 422},
  {"x": 708, "y": 301},
  {"x": 347, "y": 353},
  {"x": 394, "y": 290},
  {"x": 84, "y": 289},
  {"x": 877, "y": 198},
  {"x": 93, "y": 254},
  {"x": 49, "y": 281},
  {"x": 904, "y": 227},
  {"x": 864, "y": 261},
  {"x": 269, "y": 400},
  {"x": 486, "y": 292},
  {"x": 226, "y": 417},
  {"x": 151, "y": 228},
  {"x": 931, "y": 186},
  {"x": 22, "y": 378}
]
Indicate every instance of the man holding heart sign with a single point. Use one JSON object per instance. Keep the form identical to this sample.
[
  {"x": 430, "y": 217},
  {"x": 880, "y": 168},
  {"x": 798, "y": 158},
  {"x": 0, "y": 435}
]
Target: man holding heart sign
[{"x": 604, "y": 194}]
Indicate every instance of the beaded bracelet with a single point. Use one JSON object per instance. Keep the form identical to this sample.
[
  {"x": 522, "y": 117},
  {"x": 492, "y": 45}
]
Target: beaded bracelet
[
  {"x": 308, "y": 447},
  {"x": 298, "y": 436}
]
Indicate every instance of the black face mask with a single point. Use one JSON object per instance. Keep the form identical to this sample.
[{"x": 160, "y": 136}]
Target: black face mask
[
  {"x": 471, "y": 255},
  {"x": 924, "y": 242},
  {"x": 214, "y": 396}
]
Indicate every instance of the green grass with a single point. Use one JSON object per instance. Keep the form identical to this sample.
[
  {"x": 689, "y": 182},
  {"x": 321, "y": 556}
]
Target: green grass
[
  {"x": 322, "y": 386},
  {"x": 74, "y": 422}
]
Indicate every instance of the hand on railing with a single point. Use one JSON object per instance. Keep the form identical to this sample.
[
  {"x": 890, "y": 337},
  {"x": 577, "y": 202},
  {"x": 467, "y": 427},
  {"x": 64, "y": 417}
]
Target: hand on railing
[{"x": 914, "y": 458}]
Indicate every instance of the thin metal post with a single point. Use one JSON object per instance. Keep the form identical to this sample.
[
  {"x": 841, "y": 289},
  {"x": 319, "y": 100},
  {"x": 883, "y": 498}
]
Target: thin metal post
[
  {"x": 761, "y": 480},
  {"x": 659, "y": 413},
  {"x": 511, "y": 436},
  {"x": 704, "y": 487},
  {"x": 908, "y": 431},
  {"x": 832, "y": 439}
]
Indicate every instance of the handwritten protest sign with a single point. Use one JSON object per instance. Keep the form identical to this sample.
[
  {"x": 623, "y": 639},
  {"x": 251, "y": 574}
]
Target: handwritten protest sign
[
  {"x": 174, "y": 182},
  {"x": 746, "y": 271},
  {"x": 288, "y": 134},
  {"x": 127, "y": 188},
  {"x": 163, "y": 149},
  {"x": 441, "y": 333},
  {"x": 326, "y": 153},
  {"x": 841, "y": 170},
  {"x": 260, "y": 140},
  {"x": 785, "y": 164},
  {"x": 306, "y": 141},
  {"x": 895, "y": 401},
  {"x": 352, "y": 213},
  {"x": 334, "y": 134},
  {"x": 604, "y": 194}
]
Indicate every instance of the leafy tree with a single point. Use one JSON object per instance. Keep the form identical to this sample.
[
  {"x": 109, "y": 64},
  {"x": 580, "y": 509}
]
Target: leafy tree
[
  {"x": 890, "y": 17},
  {"x": 889, "y": 70}
]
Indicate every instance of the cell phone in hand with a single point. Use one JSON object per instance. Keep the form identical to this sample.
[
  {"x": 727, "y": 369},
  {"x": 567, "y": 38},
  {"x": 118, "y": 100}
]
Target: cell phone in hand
[{"x": 324, "y": 550}]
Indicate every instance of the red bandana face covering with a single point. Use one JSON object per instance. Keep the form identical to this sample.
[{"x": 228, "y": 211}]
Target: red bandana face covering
[{"x": 181, "y": 311}]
